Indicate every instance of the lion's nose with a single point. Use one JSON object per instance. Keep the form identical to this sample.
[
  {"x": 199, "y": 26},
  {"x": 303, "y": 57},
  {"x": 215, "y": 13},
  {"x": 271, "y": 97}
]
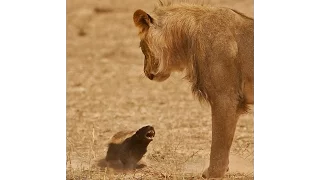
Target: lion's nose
[{"x": 151, "y": 76}]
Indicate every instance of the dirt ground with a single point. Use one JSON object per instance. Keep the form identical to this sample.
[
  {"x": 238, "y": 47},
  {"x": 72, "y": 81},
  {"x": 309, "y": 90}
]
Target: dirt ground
[{"x": 108, "y": 92}]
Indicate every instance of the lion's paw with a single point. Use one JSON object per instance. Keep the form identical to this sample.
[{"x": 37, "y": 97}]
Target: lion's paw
[{"x": 206, "y": 175}]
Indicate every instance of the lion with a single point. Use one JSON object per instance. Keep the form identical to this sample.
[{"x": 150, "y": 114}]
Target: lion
[
  {"x": 126, "y": 148},
  {"x": 214, "y": 47}
]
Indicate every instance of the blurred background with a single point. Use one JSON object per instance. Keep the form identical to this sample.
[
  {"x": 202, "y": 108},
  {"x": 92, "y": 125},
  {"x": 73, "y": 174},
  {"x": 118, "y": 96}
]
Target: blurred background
[{"x": 108, "y": 92}]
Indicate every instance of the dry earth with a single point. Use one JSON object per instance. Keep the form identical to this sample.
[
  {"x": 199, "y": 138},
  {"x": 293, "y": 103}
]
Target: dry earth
[{"x": 107, "y": 92}]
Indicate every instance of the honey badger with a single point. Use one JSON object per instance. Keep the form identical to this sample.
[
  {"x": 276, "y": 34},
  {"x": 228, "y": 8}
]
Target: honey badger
[{"x": 128, "y": 147}]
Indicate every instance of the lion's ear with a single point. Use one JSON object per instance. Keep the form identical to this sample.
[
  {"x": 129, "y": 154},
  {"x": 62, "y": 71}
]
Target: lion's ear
[{"x": 142, "y": 20}]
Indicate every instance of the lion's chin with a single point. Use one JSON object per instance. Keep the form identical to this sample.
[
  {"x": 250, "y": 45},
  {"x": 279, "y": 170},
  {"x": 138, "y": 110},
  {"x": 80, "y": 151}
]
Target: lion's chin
[{"x": 161, "y": 78}]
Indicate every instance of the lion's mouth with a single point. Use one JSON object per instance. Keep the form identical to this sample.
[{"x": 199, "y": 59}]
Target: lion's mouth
[
  {"x": 161, "y": 78},
  {"x": 150, "y": 135}
]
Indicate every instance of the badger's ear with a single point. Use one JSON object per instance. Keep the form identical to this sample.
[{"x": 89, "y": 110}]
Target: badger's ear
[{"x": 142, "y": 20}]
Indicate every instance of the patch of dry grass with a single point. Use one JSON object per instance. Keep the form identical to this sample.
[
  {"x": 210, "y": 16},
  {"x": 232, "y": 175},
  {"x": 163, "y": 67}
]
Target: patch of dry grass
[{"x": 168, "y": 158}]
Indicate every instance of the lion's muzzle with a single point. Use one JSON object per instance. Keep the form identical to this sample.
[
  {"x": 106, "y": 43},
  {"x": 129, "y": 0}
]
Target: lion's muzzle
[{"x": 149, "y": 75}]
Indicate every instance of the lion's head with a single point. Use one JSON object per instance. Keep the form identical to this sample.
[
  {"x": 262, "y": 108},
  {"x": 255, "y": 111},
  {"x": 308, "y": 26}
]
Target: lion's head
[
  {"x": 158, "y": 62},
  {"x": 152, "y": 63}
]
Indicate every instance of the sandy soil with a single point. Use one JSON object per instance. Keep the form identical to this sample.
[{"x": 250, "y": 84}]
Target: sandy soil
[{"x": 107, "y": 92}]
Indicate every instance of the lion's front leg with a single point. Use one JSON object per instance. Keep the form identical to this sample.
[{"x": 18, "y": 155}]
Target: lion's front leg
[{"x": 224, "y": 121}]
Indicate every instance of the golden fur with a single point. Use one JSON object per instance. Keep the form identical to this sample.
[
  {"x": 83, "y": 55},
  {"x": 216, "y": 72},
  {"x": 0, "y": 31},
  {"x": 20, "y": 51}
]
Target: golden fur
[{"x": 214, "y": 46}]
